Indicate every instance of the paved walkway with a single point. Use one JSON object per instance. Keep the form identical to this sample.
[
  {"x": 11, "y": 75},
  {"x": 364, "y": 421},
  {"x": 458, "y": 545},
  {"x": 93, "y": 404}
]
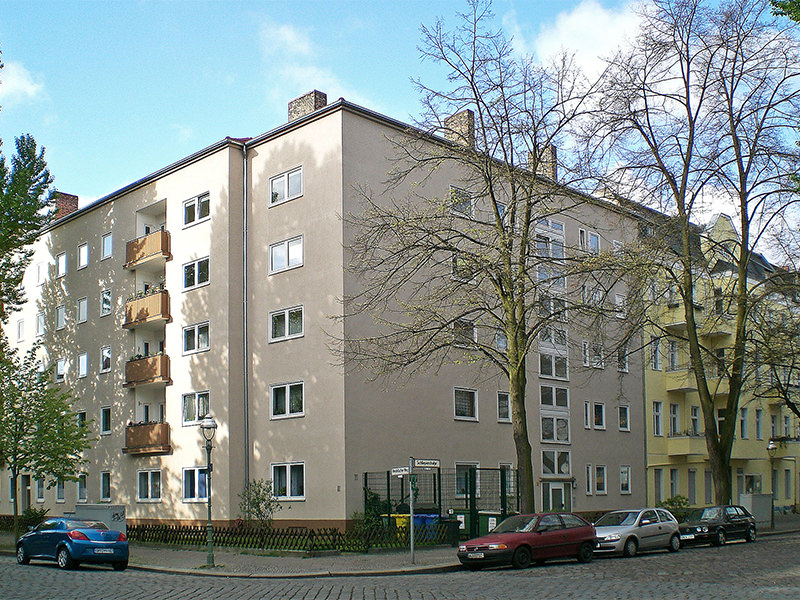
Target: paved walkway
[{"x": 253, "y": 563}]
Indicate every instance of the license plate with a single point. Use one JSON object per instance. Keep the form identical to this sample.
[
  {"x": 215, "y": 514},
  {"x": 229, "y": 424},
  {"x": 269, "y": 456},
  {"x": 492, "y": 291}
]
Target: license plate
[
  {"x": 475, "y": 555},
  {"x": 103, "y": 551},
  {"x": 687, "y": 536}
]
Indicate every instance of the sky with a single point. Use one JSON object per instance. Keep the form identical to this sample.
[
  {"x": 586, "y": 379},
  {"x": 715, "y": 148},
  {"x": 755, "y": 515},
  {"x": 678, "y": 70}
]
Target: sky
[{"x": 115, "y": 91}]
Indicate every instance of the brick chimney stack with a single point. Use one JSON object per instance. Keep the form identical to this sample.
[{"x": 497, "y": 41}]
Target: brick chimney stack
[
  {"x": 306, "y": 104},
  {"x": 460, "y": 128},
  {"x": 65, "y": 204}
]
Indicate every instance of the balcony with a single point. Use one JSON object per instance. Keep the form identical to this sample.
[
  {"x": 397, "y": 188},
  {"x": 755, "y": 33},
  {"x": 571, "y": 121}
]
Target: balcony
[
  {"x": 155, "y": 248},
  {"x": 147, "y": 439},
  {"x": 148, "y": 370},
  {"x": 687, "y": 444},
  {"x": 148, "y": 311},
  {"x": 680, "y": 380},
  {"x": 717, "y": 325}
]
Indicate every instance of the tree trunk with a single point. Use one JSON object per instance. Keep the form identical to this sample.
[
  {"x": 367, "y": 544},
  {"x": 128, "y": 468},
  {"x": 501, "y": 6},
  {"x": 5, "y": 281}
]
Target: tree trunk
[
  {"x": 15, "y": 503},
  {"x": 517, "y": 383}
]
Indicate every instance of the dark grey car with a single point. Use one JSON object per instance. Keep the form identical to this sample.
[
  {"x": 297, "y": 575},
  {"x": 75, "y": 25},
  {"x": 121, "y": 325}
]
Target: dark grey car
[{"x": 627, "y": 532}]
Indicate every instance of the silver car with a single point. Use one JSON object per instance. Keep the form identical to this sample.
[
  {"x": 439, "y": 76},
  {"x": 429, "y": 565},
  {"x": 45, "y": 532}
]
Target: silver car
[{"x": 627, "y": 532}]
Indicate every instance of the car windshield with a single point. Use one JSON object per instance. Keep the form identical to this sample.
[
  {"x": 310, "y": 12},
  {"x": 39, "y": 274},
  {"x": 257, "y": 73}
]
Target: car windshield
[
  {"x": 614, "y": 519},
  {"x": 515, "y": 524},
  {"x": 74, "y": 524},
  {"x": 704, "y": 514}
]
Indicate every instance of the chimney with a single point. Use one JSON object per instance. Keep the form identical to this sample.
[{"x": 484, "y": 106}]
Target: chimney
[
  {"x": 546, "y": 164},
  {"x": 460, "y": 128},
  {"x": 306, "y": 104},
  {"x": 65, "y": 204}
]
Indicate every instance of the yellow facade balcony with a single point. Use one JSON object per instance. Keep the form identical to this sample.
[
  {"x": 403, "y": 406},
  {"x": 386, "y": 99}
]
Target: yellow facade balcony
[
  {"x": 148, "y": 310},
  {"x": 686, "y": 444},
  {"x": 680, "y": 380},
  {"x": 148, "y": 370},
  {"x": 156, "y": 246},
  {"x": 147, "y": 439}
]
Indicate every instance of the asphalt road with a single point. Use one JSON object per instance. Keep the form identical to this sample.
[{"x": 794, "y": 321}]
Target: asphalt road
[{"x": 768, "y": 569}]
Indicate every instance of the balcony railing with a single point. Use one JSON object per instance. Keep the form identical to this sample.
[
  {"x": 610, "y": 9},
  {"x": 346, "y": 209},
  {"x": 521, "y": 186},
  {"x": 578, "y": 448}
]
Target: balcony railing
[
  {"x": 149, "y": 309},
  {"x": 680, "y": 379},
  {"x": 154, "y": 246},
  {"x": 687, "y": 444},
  {"x": 147, "y": 438},
  {"x": 147, "y": 370}
]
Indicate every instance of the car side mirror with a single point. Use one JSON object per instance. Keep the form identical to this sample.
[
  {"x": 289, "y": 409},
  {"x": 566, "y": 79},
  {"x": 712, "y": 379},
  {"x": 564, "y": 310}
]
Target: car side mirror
[
  {"x": 644, "y": 522},
  {"x": 30, "y": 527}
]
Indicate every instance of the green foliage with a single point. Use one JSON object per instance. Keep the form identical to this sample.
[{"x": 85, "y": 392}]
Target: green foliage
[
  {"x": 32, "y": 516},
  {"x": 257, "y": 504},
  {"x": 677, "y": 505},
  {"x": 374, "y": 507},
  {"x": 787, "y": 8}
]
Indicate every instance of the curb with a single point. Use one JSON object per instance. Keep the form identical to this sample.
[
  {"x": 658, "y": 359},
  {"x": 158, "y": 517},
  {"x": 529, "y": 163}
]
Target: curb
[{"x": 444, "y": 568}]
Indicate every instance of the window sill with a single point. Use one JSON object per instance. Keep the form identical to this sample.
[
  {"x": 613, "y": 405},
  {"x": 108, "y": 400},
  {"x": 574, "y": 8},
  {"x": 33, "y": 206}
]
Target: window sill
[
  {"x": 200, "y": 351},
  {"x": 284, "y": 417},
  {"x": 291, "y": 268},
  {"x": 196, "y": 222},
  {"x": 285, "y": 200},
  {"x": 468, "y": 419},
  {"x": 196, "y": 287},
  {"x": 283, "y": 339}
]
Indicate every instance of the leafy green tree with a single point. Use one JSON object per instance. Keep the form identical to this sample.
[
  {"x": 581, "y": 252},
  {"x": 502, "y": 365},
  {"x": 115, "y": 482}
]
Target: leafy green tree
[
  {"x": 40, "y": 435},
  {"x": 257, "y": 503},
  {"x": 787, "y": 8}
]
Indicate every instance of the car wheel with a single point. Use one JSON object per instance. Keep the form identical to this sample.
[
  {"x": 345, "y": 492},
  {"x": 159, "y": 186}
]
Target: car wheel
[
  {"x": 630, "y": 548},
  {"x": 64, "y": 560},
  {"x": 521, "y": 558},
  {"x": 719, "y": 539},
  {"x": 121, "y": 566},
  {"x": 22, "y": 556},
  {"x": 674, "y": 543},
  {"x": 750, "y": 536},
  {"x": 585, "y": 552}
]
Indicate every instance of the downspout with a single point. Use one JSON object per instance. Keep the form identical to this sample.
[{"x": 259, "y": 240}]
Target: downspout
[{"x": 245, "y": 344}]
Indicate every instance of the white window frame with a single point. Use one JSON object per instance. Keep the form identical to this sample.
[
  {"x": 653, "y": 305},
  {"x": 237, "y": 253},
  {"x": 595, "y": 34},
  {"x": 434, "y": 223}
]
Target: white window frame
[
  {"x": 105, "y": 355},
  {"x": 759, "y": 424},
  {"x": 286, "y": 315},
  {"x": 287, "y": 387},
  {"x": 507, "y": 417},
  {"x": 106, "y": 295},
  {"x": 60, "y": 496},
  {"x": 83, "y": 256},
  {"x": 282, "y": 179},
  {"x": 621, "y": 306},
  {"x": 589, "y": 479},
  {"x": 459, "y": 196},
  {"x": 61, "y": 369},
  {"x": 82, "y": 316},
  {"x": 694, "y": 419},
  {"x": 674, "y": 419},
  {"x": 474, "y": 393},
  {"x": 655, "y": 353},
  {"x": 744, "y": 426},
  {"x": 658, "y": 418},
  {"x": 601, "y": 414},
  {"x": 552, "y": 357},
  {"x": 556, "y": 456},
  {"x": 83, "y": 364},
  {"x": 61, "y": 317},
  {"x": 593, "y": 355},
  {"x": 195, "y": 398},
  {"x": 106, "y": 246},
  {"x": 39, "y": 490},
  {"x": 61, "y": 264},
  {"x": 196, "y": 202},
  {"x": 20, "y": 330},
  {"x": 674, "y": 482},
  {"x": 587, "y": 415},
  {"x": 555, "y": 417},
  {"x": 289, "y": 472},
  {"x": 105, "y": 482},
  {"x": 199, "y": 474},
  {"x": 627, "y": 410},
  {"x": 622, "y": 358},
  {"x": 83, "y": 488},
  {"x": 554, "y": 393},
  {"x": 285, "y": 245},
  {"x": 600, "y": 490},
  {"x": 105, "y": 429},
  {"x": 196, "y": 264},
  {"x": 149, "y": 474},
  {"x": 460, "y": 326},
  {"x": 625, "y": 473},
  {"x": 195, "y": 329},
  {"x": 40, "y": 324}
]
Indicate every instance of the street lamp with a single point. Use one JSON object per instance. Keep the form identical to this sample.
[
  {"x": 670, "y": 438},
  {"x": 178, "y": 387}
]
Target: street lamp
[
  {"x": 772, "y": 448},
  {"x": 208, "y": 427}
]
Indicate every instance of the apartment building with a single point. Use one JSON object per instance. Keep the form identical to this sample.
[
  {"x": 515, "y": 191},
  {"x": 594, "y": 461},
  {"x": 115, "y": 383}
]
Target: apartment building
[
  {"x": 677, "y": 458},
  {"x": 209, "y": 287}
]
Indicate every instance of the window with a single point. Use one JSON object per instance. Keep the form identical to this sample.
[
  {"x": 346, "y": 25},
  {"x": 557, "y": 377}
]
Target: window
[
  {"x": 195, "y": 407},
  {"x": 625, "y": 479},
  {"x": 463, "y": 471},
  {"x": 600, "y": 479},
  {"x": 554, "y": 396},
  {"x": 106, "y": 246},
  {"x": 466, "y": 404},
  {"x": 787, "y": 483},
  {"x": 552, "y": 365},
  {"x": 20, "y": 330},
  {"x": 555, "y": 462},
  {"x": 287, "y": 400},
  {"x": 787, "y": 431},
  {"x": 82, "y": 418},
  {"x": 674, "y": 419},
  {"x": 555, "y": 277},
  {"x": 195, "y": 273},
  {"x": 620, "y": 303},
  {"x": 61, "y": 316},
  {"x": 759, "y": 426},
  {"x": 744, "y": 432},
  {"x": 658, "y": 485},
  {"x": 83, "y": 310},
  {"x": 709, "y": 487},
  {"x": 503, "y": 408},
  {"x": 673, "y": 483},
  {"x": 589, "y": 480},
  {"x": 60, "y": 490},
  {"x": 41, "y": 273},
  {"x": 774, "y": 426},
  {"x": 83, "y": 364},
  {"x": 105, "y": 420},
  {"x": 148, "y": 486},
  {"x": 694, "y": 420},
  {"x": 599, "y": 415},
  {"x": 589, "y": 241},
  {"x": 658, "y": 428},
  {"x": 553, "y": 308},
  {"x": 587, "y": 415},
  {"x": 655, "y": 353},
  {"x": 286, "y": 186},
  {"x": 461, "y": 202},
  {"x": 196, "y": 210},
  {"x": 82, "y": 494},
  {"x": 288, "y": 481},
  {"x": 500, "y": 340},
  {"x": 624, "y": 413},
  {"x": 61, "y": 369},
  {"x": 105, "y": 359},
  {"x": 593, "y": 355},
  {"x": 553, "y": 336},
  {"x": 83, "y": 256},
  {"x": 40, "y": 489},
  {"x": 61, "y": 264},
  {"x": 286, "y": 324},
  {"x": 672, "y": 355},
  {"x": 105, "y": 486},
  {"x": 464, "y": 333},
  {"x": 691, "y": 482},
  {"x": 195, "y": 484},
  {"x": 549, "y": 246},
  {"x": 555, "y": 428},
  {"x": 105, "y": 303},
  {"x": 622, "y": 358},
  {"x": 39, "y": 324},
  {"x": 286, "y": 254},
  {"x": 195, "y": 338}
]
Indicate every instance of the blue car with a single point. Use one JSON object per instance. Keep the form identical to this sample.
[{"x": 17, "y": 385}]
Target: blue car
[{"x": 71, "y": 542}]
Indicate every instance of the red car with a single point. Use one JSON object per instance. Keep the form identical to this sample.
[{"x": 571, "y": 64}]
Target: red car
[{"x": 520, "y": 539}]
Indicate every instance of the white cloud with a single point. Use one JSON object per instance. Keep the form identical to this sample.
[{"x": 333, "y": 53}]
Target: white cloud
[
  {"x": 18, "y": 85},
  {"x": 285, "y": 40}
]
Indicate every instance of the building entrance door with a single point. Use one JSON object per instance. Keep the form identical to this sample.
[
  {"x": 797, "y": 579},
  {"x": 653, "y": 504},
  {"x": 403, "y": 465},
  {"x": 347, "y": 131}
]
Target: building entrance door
[{"x": 556, "y": 496}]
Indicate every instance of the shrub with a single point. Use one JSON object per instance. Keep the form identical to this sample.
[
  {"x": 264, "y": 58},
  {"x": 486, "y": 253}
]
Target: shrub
[
  {"x": 257, "y": 504},
  {"x": 32, "y": 516}
]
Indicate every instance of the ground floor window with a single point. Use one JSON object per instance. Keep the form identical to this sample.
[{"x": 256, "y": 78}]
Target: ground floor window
[
  {"x": 105, "y": 486},
  {"x": 195, "y": 484},
  {"x": 148, "y": 487},
  {"x": 288, "y": 481},
  {"x": 463, "y": 479}
]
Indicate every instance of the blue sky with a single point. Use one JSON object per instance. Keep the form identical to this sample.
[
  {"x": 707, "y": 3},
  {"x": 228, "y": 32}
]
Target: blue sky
[{"x": 117, "y": 90}]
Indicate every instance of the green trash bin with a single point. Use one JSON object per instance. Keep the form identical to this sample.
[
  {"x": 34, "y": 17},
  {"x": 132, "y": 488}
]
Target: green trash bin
[{"x": 488, "y": 520}]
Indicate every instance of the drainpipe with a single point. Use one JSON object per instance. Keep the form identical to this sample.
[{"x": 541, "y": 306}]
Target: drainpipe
[{"x": 245, "y": 344}]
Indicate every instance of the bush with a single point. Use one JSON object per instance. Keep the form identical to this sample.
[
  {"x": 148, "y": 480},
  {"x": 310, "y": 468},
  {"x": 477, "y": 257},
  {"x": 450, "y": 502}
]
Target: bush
[
  {"x": 32, "y": 516},
  {"x": 677, "y": 505},
  {"x": 257, "y": 504}
]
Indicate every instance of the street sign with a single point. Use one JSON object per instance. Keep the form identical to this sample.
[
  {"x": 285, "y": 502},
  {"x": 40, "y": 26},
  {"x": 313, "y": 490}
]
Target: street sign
[
  {"x": 427, "y": 463},
  {"x": 400, "y": 471}
]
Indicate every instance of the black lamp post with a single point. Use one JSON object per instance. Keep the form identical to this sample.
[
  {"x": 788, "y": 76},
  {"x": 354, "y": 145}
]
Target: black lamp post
[
  {"x": 772, "y": 448},
  {"x": 208, "y": 427}
]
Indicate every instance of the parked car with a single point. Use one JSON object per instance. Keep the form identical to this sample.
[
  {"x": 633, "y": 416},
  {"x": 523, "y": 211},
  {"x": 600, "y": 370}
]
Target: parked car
[
  {"x": 627, "y": 532},
  {"x": 520, "y": 539},
  {"x": 718, "y": 524},
  {"x": 70, "y": 542}
]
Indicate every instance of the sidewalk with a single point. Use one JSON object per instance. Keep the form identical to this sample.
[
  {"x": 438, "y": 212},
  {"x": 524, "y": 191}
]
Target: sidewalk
[{"x": 254, "y": 563}]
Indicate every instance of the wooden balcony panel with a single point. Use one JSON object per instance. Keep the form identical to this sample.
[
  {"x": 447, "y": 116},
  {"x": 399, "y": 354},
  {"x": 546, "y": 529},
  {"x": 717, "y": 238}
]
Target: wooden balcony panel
[
  {"x": 148, "y": 370},
  {"x": 154, "y": 246},
  {"x": 147, "y": 439},
  {"x": 151, "y": 309}
]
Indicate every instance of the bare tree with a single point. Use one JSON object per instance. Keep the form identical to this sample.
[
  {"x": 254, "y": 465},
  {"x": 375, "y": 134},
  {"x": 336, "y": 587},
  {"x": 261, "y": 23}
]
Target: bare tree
[{"x": 705, "y": 103}]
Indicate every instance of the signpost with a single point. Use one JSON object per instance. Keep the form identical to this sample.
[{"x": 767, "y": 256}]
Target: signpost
[{"x": 414, "y": 463}]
